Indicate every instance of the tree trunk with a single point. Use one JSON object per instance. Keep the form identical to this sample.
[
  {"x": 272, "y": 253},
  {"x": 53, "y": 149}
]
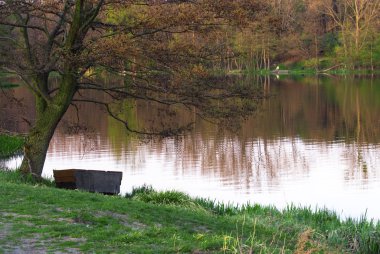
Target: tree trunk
[
  {"x": 37, "y": 142},
  {"x": 316, "y": 52},
  {"x": 48, "y": 117}
]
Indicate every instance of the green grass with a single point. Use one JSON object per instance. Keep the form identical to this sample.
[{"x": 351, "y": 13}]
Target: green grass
[
  {"x": 4, "y": 83},
  {"x": 7, "y": 85},
  {"x": 10, "y": 145},
  {"x": 37, "y": 217},
  {"x": 308, "y": 67},
  {"x": 16, "y": 177}
]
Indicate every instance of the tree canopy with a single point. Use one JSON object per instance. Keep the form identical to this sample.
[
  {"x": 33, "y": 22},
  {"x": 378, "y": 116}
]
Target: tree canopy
[{"x": 163, "y": 51}]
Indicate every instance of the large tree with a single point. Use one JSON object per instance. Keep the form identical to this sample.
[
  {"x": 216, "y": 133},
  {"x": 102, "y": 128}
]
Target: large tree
[{"x": 161, "y": 49}]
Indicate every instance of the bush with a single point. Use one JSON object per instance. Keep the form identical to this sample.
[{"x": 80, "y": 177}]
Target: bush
[
  {"x": 10, "y": 145},
  {"x": 148, "y": 195}
]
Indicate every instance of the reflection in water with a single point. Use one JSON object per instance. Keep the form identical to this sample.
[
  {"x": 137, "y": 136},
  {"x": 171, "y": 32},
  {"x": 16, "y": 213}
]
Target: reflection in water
[{"x": 316, "y": 142}]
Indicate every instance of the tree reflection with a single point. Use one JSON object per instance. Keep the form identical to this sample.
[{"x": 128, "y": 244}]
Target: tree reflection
[{"x": 332, "y": 117}]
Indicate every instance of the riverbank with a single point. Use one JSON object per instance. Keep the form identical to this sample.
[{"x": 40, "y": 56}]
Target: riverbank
[
  {"x": 38, "y": 217},
  {"x": 301, "y": 70},
  {"x": 10, "y": 145}
]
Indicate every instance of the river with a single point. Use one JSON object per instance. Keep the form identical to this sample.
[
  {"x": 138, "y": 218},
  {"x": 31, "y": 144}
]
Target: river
[{"x": 315, "y": 143}]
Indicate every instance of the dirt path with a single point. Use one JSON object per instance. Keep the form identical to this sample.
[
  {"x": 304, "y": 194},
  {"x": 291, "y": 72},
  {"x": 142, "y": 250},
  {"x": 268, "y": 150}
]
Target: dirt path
[{"x": 10, "y": 242}]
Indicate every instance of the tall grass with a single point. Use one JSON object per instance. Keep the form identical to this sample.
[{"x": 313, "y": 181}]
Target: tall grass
[
  {"x": 354, "y": 235},
  {"x": 10, "y": 145},
  {"x": 148, "y": 195}
]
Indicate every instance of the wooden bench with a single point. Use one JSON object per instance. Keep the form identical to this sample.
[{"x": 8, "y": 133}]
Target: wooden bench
[{"x": 106, "y": 182}]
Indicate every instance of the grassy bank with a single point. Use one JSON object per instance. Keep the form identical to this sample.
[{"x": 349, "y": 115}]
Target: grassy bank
[
  {"x": 37, "y": 217},
  {"x": 10, "y": 145},
  {"x": 4, "y": 81}
]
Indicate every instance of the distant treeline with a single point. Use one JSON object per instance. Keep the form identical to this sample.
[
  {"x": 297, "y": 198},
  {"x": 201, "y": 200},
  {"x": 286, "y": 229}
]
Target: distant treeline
[
  {"x": 249, "y": 34},
  {"x": 304, "y": 34}
]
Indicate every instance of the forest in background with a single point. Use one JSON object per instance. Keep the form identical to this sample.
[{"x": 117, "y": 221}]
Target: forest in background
[
  {"x": 318, "y": 35},
  {"x": 256, "y": 35}
]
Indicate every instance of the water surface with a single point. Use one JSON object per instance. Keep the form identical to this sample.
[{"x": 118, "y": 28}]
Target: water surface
[{"x": 316, "y": 143}]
